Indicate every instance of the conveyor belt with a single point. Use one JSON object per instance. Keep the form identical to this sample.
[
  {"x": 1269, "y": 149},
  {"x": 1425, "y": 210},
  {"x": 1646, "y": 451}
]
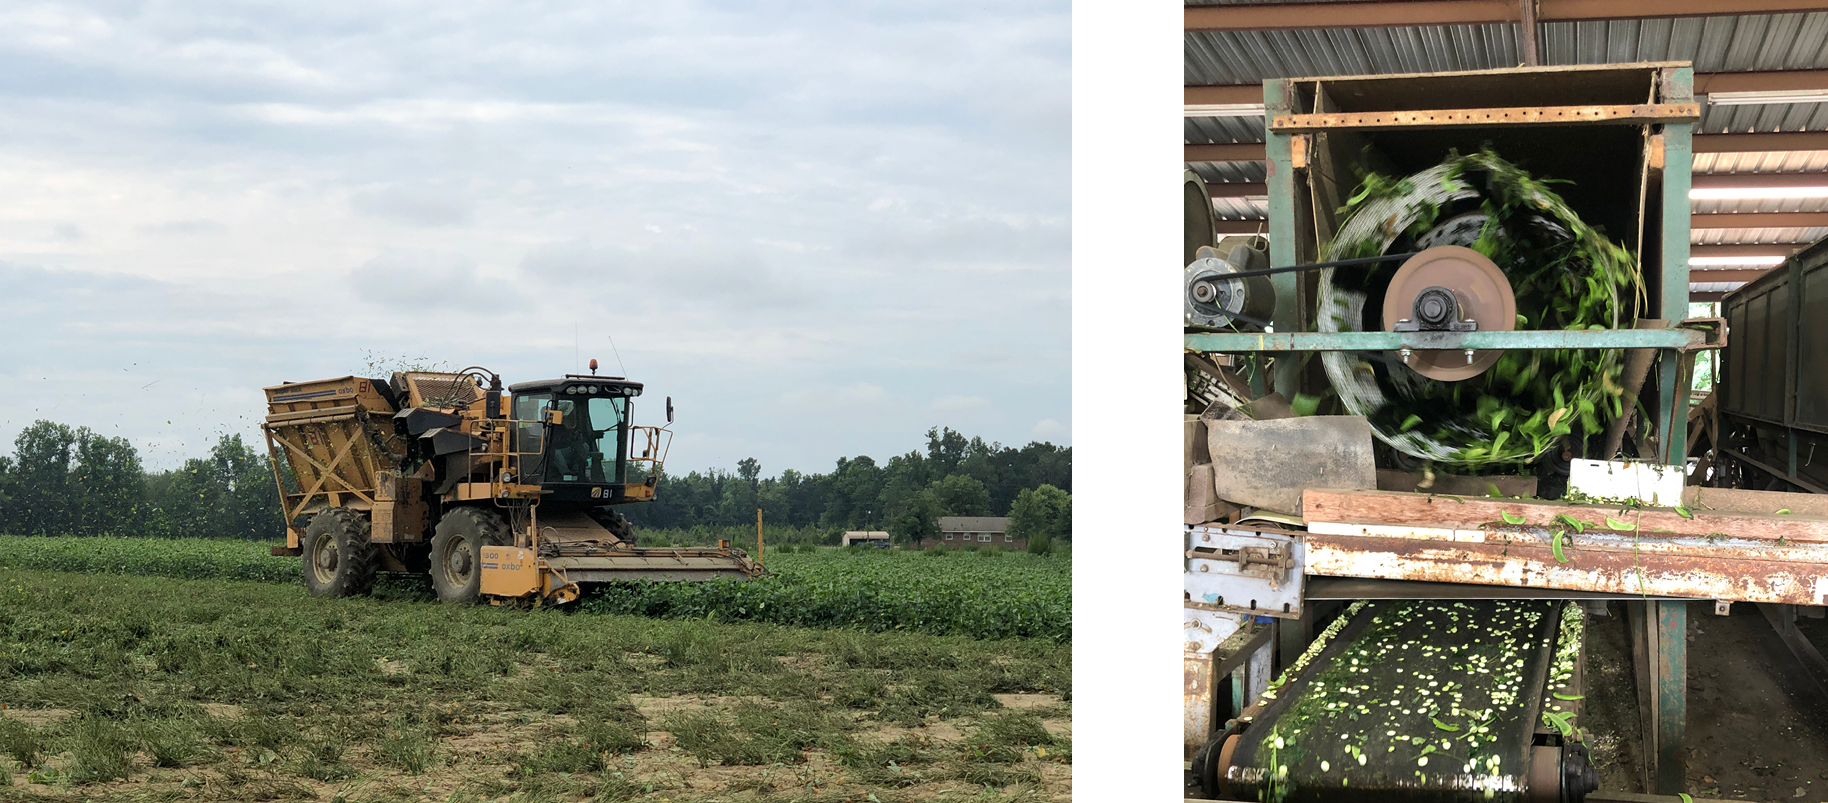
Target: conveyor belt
[{"x": 1407, "y": 700}]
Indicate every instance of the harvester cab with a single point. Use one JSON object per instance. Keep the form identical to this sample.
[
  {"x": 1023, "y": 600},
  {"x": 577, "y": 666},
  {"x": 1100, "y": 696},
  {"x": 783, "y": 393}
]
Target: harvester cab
[{"x": 497, "y": 495}]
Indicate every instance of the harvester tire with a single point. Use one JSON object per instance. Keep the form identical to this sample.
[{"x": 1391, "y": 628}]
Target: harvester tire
[
  {"x": 457, "y": 552},
  {"x": 339, "y": 559}
]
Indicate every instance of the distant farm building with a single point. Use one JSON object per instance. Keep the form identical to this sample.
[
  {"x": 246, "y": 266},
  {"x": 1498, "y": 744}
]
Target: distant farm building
[
  {"x": 964, "y": 531},
  {"x": 877, "y": 538}
]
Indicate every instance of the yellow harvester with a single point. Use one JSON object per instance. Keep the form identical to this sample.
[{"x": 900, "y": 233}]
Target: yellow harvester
[{"x": 498, "y": 495}]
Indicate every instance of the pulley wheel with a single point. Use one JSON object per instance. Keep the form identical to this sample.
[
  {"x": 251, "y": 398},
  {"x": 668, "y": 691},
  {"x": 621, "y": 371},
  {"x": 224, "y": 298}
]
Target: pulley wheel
[{"x": 1484, "y": 297}]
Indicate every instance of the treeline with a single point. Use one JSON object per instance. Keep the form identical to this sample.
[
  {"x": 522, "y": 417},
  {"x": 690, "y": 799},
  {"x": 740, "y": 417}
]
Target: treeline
[
  {"x": 955, "y": 476},
  {"x": 73, "y": 481},
  {"x": 64, "y": 481}
]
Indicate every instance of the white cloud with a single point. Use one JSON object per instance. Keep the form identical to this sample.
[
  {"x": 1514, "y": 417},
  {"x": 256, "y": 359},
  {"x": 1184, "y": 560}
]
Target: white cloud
[
  {"x": 797, "y": 221},
  {"x": 1048, "y": 429}
]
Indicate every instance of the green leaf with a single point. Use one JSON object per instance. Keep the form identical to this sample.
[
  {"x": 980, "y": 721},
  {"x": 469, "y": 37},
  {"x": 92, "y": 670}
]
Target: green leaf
[
  {"x": 1555, "y": 546},
  {"x": 1784, "y": 512},
  {"x": 1560, "y": 696},
  {"x": 1683, "y": 512},
  {"x": 1442, "y": 725},
  {"x": 1619, "y": 525},
  {"x": 1561, "y": 722},
  {"x": 1685, "y": 797},
  {"x": 1510, "y": 518},
  {"x": 1578, "y": 525},
  {"x": 1409, "y": 423}
]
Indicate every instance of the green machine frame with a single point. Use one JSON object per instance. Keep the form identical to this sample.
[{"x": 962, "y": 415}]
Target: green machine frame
[{"x": 1584, "y": 122}]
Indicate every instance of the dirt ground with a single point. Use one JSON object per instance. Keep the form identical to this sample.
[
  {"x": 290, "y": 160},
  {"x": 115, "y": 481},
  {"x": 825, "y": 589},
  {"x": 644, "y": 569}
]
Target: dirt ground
[
  {"x": 482, "y": 749},
  {"x": 1757, "y": 724}
]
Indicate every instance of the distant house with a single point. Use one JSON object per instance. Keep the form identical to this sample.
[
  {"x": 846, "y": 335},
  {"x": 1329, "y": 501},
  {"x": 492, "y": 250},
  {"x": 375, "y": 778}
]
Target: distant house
[
  {"x": 873, "y": 537},
  {"x": 964, "y": 531}
]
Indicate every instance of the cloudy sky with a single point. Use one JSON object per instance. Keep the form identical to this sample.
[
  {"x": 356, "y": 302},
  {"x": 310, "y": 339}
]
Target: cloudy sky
[{"x": 821, "y": 228}]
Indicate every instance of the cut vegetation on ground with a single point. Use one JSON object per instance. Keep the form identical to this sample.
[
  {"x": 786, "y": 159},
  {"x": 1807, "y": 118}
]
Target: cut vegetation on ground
[{"x": 133, "y": 688}]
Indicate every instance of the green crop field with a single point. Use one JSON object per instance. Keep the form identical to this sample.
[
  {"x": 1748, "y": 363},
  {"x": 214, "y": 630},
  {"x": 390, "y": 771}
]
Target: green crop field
[
  {"x": 978, "y": 594},
  {"x": 120, "y": 687}
]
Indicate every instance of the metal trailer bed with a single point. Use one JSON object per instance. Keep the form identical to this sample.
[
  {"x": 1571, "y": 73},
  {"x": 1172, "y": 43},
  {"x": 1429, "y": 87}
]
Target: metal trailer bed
[{"x": 1772, "y": 402}]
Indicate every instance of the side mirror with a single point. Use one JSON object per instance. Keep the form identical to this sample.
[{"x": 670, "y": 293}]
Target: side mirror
[
  {"x": 553, "y": 418},
  {"x": 669, "y": 409}
]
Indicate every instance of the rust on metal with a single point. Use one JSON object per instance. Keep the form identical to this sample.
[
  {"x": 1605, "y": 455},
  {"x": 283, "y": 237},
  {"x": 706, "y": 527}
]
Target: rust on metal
[
  {"x": 1743, "y": 574},
  {"x": 1537, "y": 115},
  {"x": 1473, "y": 513},
  {"x": 1196, "y": 697}
]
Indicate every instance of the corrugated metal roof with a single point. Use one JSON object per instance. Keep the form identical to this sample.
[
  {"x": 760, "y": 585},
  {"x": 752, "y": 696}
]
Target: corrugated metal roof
[
  {"x": 1782, "y": 162},
  {"x": 1241, "y": 208},
  {"x": 1714, "y": 44},
  {"x": 1223, "y": 129},
  {"x": 1734, "y": 206},
  {"x": 1763, "y": 118},
  {"x": 1756, "y": 236},
  {"x": 1232, "y": 172}
]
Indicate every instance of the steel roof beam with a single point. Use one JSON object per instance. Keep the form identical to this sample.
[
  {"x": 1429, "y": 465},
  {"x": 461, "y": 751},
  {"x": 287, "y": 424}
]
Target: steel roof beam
[
  {"x": 1286, "y": 16},
  {"x": 1705, "y": 83},
  {"x": 1703, "y": 143},
  {"x": 1715, "y": 275},
  {"x": 1743, "y": 250},
  {"x": 1760, "y": 220}
]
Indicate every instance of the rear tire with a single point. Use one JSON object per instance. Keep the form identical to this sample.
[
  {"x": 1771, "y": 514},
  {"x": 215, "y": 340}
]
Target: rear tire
[
  {"x": 457, "y": 552},
  {"x": 339, "y": 559}
]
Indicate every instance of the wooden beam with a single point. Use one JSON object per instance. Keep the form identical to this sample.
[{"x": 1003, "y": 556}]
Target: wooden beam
[
  {"x": 1705, "y": 274},
  {"x": 1535, "y": 115},
  {"x": 1745, "y": 250},
  {"x": 1704, "y": 298},
  {"x": 1760, "y": 220},
  {"x": 1225, "y": 152},
  {"x": 1762, "y": 81},
  {"x": 1222, "y": 94},
  {"x": 1241, "y": 226},
  {"x": 1237, "y": 189},
  {"x": 1286, "y": 16}
]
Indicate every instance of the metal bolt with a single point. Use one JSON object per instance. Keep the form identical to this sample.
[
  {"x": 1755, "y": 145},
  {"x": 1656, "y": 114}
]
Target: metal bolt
[
  {"x": 1469, "y": 356},
  {"x": 1722, "y": 607},
  {"x": 1405, "y": 354}
]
